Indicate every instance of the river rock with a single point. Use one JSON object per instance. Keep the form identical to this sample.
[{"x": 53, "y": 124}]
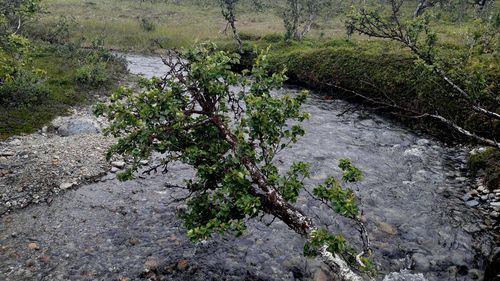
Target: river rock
[
  {"x": 151, "y": 264},
  {"x": 77, "y": 127},
  {"x": 7, "y": 153},
  {"x": 182, "y": 264},
  {"x": 472, "y": 203},
  {"x": 495, "y": 204},
  {"x": 420, "y": 262},
  {"x": 66, "y": 185},
  {"x": 16, "y": 142},
  {"x": 423, "y": 142},
  {"x": 467, "y": 197},
  {"x": 118, "y": 164},
  {"x": 387, "y": 228},
  {"x": 33, "y": 246}
]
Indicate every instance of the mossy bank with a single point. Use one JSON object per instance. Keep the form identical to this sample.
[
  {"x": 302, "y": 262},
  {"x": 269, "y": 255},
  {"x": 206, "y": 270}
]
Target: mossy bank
[
  {"x": 387, "y": 78},
  {"x": 64, "y": 76}
]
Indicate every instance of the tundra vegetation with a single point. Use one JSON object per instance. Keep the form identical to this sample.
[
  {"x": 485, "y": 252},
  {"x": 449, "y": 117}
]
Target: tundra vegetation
[
  {"x": 41, "y": 78},
  {"x": 431, "y": 64}
]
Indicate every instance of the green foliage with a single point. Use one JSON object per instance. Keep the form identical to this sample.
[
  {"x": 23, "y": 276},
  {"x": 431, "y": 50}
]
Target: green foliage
[
  {"x": 54, "y": 32},
  {"x": 486, "y": 164},
  {"x": 343, "y": 200},
  {"x": 31, "y": 97},
  {"x": 321, "y": 238},
  {"x": 351, "y": 173},
  {"x": 23, "y": 90},
  {"x": 93, "y": 74},
  {"x": 229, "y": 127}
]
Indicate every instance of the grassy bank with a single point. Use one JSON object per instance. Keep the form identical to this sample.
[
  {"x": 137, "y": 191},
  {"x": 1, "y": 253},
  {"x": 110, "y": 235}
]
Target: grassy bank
[
  {"x": 68, "y": 76},
  {"x": 486, "y": 165},
  {"x": 385, "y": 74}
]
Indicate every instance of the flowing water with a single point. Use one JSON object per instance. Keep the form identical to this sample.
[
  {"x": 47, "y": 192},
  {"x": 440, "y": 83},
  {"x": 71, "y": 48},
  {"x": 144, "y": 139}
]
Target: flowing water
[{"x": 411, "y": 197}]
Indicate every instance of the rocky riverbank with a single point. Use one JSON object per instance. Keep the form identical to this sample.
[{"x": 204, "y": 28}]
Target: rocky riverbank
[{"x": 67, "y": 153}]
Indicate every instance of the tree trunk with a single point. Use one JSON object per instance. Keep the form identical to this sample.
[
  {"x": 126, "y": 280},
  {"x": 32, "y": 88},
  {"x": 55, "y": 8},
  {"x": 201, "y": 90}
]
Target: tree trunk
[{"x": 274, "y": 204}]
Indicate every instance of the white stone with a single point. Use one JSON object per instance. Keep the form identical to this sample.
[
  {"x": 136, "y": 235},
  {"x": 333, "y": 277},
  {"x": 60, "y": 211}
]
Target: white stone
[
  {"x": 66, "y": 185},
  {"x": 118, "y": 164},
  {"x": 7, "y": 153},
  {"x": 495, "y": 204}
]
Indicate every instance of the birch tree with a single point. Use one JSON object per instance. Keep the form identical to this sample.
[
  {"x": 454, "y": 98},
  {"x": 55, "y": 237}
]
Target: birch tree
[
  {"x": 421, "y": 40},
  {"x": 300, "y": 15},
  {"x": 231, "y": 139},
  {"x": 228, "y": 9}
]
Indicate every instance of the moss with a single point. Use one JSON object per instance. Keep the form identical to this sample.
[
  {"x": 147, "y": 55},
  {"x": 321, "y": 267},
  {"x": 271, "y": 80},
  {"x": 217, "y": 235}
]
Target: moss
[
  {"x": 384, "y": 72},
  {"x": 486, "y": 165}
]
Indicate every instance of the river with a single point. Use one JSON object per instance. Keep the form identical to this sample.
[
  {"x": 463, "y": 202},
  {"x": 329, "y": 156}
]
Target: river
[{"x": 411, "y": 197}]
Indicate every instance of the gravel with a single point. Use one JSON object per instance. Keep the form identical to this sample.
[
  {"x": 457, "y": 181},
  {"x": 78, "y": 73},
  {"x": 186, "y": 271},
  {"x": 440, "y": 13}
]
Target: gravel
[{"x": 36, "y": 167}]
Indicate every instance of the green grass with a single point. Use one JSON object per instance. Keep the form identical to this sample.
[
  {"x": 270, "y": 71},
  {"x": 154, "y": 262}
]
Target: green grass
[
  {"x": 60, "y": 65},
  {"x": 118, "y": 23},
  {"x": 486, "y": 164}
]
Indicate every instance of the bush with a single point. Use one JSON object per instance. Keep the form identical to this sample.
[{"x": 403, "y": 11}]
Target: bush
[
  {"x": 273, "y": 38},
  {"x": 147, "y": 24},
  {"x": 486, "y": 164},
  {"x": 24, "y": 89},
  {"x": 94, "y": 71},
  {"x": 92, "y": 74}
]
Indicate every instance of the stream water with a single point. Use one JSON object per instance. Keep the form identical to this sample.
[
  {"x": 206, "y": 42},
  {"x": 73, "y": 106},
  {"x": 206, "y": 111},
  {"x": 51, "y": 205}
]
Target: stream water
[{"x": 411, "y": 197}]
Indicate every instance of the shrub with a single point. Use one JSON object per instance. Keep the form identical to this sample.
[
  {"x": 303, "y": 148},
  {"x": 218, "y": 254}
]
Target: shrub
[
  {"x": 147, "y": 24},
  {"x": 273, "y": 38},
  {"x": 92, "y": 74},
  {"x": 486, "y": 164},
  {"x": 23, "y": 89}
]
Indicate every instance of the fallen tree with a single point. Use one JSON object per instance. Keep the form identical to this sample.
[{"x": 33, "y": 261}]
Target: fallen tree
[{"x": 231, "y": 137}]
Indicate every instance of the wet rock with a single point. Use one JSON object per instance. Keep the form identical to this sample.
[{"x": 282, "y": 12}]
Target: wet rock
[
  {"x": 472, "y": 203},
  {"x": 423, "y": 142},
  {"x": 151, "y": 264},
  {"x": 33, "y": 246},
  {"x": 495, "y": 204},
  {"x": 467, "y": 197},
  {"x": 182, "y": 265},
  {"x": 387, "y": 228},
  {"x": 420, "y": 262}
]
